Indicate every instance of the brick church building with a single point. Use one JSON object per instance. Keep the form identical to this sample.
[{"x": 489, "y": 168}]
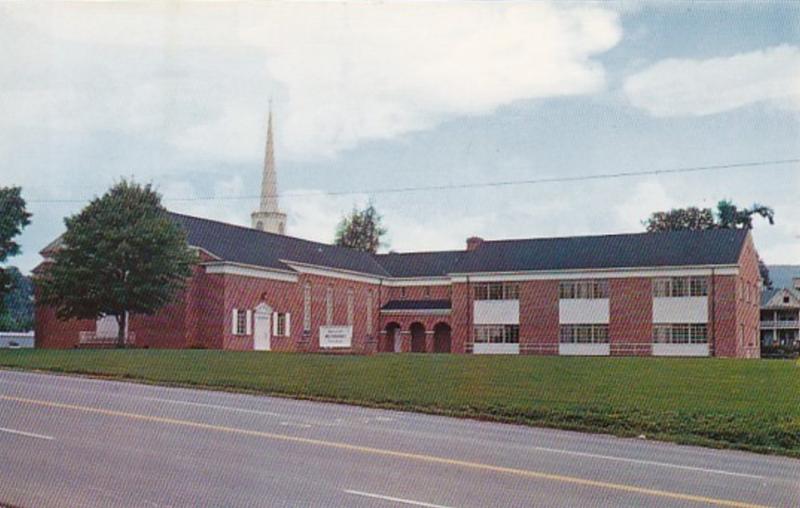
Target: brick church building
[{"x": 682, "y": 293}]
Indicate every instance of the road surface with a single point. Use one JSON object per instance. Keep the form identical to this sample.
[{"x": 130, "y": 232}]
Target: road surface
[{"x": 67, "y": 441}]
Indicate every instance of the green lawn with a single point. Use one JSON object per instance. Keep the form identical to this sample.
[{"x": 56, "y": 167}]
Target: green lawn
[{"x": 747, "y": 404}]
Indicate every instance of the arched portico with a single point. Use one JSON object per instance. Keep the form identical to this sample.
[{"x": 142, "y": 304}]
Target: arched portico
[
  {"x": 417, "y": 331},
  {"x": 391, "y": 341},
  {"x": 442, "y": 341}
]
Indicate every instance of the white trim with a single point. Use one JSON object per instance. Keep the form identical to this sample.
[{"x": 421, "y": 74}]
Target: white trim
[
  {"x": 287, "y": 325},
  {"x": 249, "y": 325},
  {"x": 680, "y": 309},
  {"x": 583, "y": 311},
  {"x": 681, "y": 350},
  {"x": 235, "y": 322},
  {"x": 572, "y": 349},
  {"x": 417, "y": 281},
  {"x": 612, "y": 273},
  {"x": 226, "y": 268},
  {"x": 482, "y": 348},
  {"x": 274, "y": 324},
  {"x": 495, "y": 312},
  {"x": 332, "y": 272}
]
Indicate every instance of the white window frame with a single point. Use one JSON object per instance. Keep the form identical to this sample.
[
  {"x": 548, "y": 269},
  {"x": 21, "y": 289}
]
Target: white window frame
[
  {"x": 680, "y": 287},
  {"x": 583, "y": 289},
  {"x": 590, "y": 333},
  {"x": 496, "y": 334},
  {"x": 242, "y": 322},
  {"x": 680, "y": 333},
  {"x": 307, "y": 307},
  {"x": 495, "y": 291}
]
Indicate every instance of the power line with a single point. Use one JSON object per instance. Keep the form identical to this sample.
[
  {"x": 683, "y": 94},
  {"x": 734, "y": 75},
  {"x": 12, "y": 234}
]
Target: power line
[{"x": 477, "y": 185}]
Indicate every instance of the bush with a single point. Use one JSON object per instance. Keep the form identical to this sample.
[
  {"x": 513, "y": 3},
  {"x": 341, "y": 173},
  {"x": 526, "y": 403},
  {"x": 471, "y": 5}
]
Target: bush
[{"x": 776, "y": 351}]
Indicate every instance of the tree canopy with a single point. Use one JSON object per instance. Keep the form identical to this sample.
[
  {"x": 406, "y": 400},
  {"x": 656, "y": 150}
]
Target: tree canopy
[
  {"x": 13, "y": 219},
  {"x": 17, "y": 314},
  {"x": 121, "y": 255},
  {"x": 361, "y": 230},
  {"x": 727, "y": 215}
]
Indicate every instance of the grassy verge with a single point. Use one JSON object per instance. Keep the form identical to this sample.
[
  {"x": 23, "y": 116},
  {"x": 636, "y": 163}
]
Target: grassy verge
[{"x": 744, "y": 404}]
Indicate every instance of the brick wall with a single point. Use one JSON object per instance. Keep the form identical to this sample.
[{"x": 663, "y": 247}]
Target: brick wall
[
  {"x": 630, "y": 326},
  {"x": 538, "y": 317}
]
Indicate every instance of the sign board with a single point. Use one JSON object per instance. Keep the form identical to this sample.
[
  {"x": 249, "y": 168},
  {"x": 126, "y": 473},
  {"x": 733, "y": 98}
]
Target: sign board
[{"x": 335, "y": 336}]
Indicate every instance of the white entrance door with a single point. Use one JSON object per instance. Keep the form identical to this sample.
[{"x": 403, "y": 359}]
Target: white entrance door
[{"x": 262, "y": 327}]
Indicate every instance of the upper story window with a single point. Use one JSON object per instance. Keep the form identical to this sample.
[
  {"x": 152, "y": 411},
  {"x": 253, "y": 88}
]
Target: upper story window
[
  {"x": 329, "y": 305},
  {"x": 307, "y": 307},
  {"x": 588, "y": 289},
  {"x": 496, "y": 291},
  {"x": 680, "y": 286}
]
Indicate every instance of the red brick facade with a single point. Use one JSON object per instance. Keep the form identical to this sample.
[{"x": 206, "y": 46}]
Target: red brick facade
[{"x": 203, "y": 315}]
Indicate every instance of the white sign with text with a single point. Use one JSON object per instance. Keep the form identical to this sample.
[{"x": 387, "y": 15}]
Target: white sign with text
[{"x": 335, "y": 336}]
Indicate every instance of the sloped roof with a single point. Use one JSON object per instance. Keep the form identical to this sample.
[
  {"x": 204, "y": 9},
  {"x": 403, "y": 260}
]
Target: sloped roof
[
  {"x": 417, "y": 305},
  {"x": 674, "y": 248},
  {"x": 670, "y": 248},
  {"x": 421, "y": 264},
  {"x": 252, "y": 247},
  {"x": 769, "y": 294}
]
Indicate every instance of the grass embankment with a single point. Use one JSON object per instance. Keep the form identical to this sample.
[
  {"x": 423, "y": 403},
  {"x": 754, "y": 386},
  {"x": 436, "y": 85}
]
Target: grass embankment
[{"x": 746, "y": 404}]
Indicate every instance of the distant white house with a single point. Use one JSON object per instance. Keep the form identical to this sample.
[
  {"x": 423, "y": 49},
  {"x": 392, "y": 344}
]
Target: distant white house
[{"x": 16, "y": 340}]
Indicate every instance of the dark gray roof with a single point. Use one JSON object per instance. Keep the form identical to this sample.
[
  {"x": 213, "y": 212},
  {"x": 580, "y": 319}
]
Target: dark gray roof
[
  {"x": 417, "y": 305},
  {"x": 252, "y": 247},
  {"x": 421, "y": 264},
  {"x": 671, "y": 248},
  {"x": 675, "y": 248}
]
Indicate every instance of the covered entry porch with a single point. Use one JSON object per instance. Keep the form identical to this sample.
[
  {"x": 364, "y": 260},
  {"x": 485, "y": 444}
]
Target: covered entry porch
[{"x": 416, "y": 326}]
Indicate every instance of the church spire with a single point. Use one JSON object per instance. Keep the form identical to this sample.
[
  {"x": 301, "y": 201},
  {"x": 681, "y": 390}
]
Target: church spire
[{"x": 268, "y": 217}]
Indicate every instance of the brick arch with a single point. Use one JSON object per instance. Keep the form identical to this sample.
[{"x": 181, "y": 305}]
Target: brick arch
[
  {"x": 418, "y": 333},
  {"x": 392, "y": 334},
  {"x": 442, "y": 338}
]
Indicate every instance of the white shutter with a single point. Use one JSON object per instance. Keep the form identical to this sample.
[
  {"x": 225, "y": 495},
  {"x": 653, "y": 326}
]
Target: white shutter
[
  {"x": 275, "y": 323},
  {"x": 288, "y": 331},
  {"x": 235, "y": 313},
  {"x": 249, "y": 324}
]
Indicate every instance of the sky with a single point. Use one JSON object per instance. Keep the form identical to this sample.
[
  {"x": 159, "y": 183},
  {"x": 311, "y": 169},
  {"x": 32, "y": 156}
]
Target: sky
[{"x": 386, "y": 95}]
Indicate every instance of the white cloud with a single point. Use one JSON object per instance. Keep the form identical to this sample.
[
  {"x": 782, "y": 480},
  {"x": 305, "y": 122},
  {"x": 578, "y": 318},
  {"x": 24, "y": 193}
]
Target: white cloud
[
  {"x": 685, "y": 87},
  {"x": 341, "y": 73}
]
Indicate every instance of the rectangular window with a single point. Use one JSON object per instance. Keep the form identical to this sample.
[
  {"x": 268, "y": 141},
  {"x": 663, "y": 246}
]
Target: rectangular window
[
  {"x": 585, "y": 289},
  {"x": 370, "y": 328},
  {"x": 680, "y": 287},
  {"x": 497, "y": 334},
  {"x": 584, "y": 334},
  {"x": 329, "y": 306},
  {"x": 350, "y": 305},
  {"x": 496, "y": 291},
  {"x": 307, "y": 308},
  {"x": 680, "y": 333},
  {"x": 240, "y": 317},
  {"x": 280, "y": 324}
]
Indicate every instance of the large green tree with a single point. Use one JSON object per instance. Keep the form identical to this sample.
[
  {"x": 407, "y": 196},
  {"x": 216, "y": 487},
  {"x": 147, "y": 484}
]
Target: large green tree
[
  {"x": 17, "y": 315},
  {"x": 121, "y": 255},
  {"x": 727, "y": 215},
  {"x": 361, "y": 230},
  {"x": 13, "y": 218}
]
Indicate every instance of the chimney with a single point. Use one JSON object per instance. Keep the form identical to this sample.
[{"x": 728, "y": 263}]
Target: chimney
[{"x": 473, "y": 242}]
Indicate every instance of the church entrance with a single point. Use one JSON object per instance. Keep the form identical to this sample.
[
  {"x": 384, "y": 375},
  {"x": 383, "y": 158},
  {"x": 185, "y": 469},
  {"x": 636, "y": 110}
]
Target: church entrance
[{"x": 262, "y": 327}]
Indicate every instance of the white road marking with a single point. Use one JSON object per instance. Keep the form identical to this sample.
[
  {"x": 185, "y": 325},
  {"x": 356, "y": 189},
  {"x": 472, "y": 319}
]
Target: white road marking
[
  {"x": 647, "y": 462},
  {"x": 394, "y": 499},
  {"x": 214, "y": 406},
  {"x": 26, "y": 434},
  {"x": 340, "y": 421}
]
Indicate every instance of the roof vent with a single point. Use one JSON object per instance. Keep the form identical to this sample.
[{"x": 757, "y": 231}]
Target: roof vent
[{"x": 473, "y": 242}]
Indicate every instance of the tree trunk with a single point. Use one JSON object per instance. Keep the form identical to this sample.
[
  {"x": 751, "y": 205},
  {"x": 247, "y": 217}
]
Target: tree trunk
[{"x": 121, "y": 323}]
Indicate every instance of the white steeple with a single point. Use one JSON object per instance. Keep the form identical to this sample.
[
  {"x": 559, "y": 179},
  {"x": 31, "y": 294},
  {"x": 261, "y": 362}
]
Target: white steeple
[{"x": 268, "y": 217}]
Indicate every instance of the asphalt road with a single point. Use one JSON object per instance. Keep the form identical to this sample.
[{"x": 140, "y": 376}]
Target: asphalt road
[{"x": 68, "y": 441}]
